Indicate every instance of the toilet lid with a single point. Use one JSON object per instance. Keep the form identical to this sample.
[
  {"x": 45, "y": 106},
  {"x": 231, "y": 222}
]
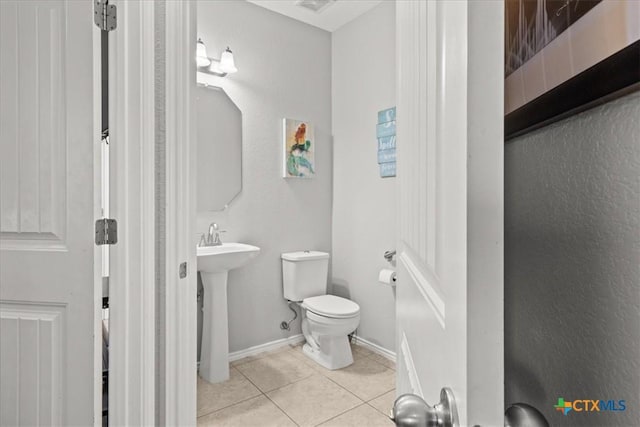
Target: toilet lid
[{"x": 331, "y": 306}]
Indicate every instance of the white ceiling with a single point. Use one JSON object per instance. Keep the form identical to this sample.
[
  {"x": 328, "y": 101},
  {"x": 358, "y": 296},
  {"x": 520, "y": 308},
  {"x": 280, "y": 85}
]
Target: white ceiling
[{"x": 331, "y": 18}]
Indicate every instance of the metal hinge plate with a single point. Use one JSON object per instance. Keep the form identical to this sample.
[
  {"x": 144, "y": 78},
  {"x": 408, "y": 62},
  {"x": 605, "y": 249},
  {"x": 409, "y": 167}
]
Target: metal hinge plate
[
  {"x": 106, "y": 231},
  {"x": 183, "y": 270},
  {"x": 104, "y": 15}
]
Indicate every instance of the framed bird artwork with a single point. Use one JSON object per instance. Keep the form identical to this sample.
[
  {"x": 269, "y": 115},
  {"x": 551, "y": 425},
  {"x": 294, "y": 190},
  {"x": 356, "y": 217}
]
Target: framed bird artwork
[{"x": 298, "y": 149}]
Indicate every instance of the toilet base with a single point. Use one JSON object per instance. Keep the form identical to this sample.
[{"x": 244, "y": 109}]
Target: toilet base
[{"x": 333, "y": 352}]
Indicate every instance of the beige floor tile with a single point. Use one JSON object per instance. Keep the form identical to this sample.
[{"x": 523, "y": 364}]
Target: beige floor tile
[
  {"x": 298, "y": 354},
  {"x": 366, "y": 378},
  {"x": 275, "y": 371},
  {"x": 212, "y": 397},
  {"x": 383, "y": 361},
  {"x": 248, "y": 359},
  {"x": 260, "y": 356},
  {"x": 258, "y": 411},
  {"x": 385, "y": 402},
  {"x": 313, "y": 400},
  {"x": 363, "y": 415},
  {"x": 360, "y": 351}
]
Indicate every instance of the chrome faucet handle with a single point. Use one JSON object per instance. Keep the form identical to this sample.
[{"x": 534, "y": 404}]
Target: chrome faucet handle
[
  {"x": 211, "y": 235},
  {"x": 216, "y": 238},
  {"x": 203, "y": 240}
]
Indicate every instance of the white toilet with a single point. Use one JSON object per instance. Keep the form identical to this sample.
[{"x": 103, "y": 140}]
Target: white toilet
[{"x": 326, "y": 319}]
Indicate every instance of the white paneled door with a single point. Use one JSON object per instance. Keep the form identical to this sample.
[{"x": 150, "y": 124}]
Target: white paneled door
[
  {"x": 47, "y": 142},
  {"x": 449, "y": 130}
]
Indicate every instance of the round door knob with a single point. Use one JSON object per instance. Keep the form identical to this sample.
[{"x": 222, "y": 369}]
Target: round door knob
[{"x": 410, "y": 410}]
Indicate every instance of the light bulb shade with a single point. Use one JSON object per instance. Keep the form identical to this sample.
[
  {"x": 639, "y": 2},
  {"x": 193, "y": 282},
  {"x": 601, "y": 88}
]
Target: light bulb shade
[
  {"x": 201, "y": 54},
  {"x": 227, "y": 64}
]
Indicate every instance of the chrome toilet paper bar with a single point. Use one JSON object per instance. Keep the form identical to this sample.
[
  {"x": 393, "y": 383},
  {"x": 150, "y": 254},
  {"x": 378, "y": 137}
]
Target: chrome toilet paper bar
[{"x": 389, "y": 255}]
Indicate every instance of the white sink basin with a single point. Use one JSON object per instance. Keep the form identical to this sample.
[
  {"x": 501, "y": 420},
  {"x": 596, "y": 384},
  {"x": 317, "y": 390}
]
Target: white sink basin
[
  {"x": 214, "y": 263},
  {"x": 217, "y": 259}
]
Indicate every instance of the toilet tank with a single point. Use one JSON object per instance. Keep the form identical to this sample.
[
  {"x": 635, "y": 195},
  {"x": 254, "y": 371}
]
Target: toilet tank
[{"x": 304, "y": 274}]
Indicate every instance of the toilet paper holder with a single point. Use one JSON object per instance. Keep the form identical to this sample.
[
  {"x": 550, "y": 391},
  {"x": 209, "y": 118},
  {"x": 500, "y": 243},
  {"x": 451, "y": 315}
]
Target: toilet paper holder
[
  {"x": 387, "y": 276},
  {"x": 389, "y": 255}
]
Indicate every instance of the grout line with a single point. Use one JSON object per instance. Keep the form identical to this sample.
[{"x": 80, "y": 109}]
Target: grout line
[
  {"x": 271, "y": 400},
  {"x": 251, "y": 382},
  {"x": 382, "y": 394},
  {"x": 350, "y": 392},
  {"x": 281, "y": 409},
  {"x": 288, "y": 384},
  {"x": 341, "y": 413},
  {"x": 378, "y": 410},
  {"x": 228, "y": 406},
  {"x": 235, "y": 403},
  {"x": 314, "y": 372}
]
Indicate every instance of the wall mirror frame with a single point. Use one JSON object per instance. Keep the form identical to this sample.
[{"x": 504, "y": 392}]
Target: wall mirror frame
[{"x": 219, "y": 148}]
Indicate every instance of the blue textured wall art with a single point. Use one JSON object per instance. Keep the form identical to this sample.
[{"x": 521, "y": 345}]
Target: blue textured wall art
[{"x": 386, "y": 133}]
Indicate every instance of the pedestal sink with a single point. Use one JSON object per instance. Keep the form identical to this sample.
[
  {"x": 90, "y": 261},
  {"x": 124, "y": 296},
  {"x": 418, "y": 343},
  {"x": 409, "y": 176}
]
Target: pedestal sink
[{"x": 214, "y": 263}]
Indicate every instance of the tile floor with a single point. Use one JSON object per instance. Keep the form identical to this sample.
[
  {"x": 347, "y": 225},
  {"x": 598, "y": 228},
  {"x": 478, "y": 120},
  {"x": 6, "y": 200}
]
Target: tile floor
[{"x": 285, "y": 388}]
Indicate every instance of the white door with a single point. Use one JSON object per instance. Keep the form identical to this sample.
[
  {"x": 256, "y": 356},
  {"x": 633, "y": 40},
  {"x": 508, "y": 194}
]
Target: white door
[
  {"x": 47, "y": 142},
  {"x": 449, "y": 288}
]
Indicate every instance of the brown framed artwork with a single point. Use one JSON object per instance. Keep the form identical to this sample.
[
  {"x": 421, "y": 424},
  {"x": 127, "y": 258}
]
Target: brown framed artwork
[{"x": 565, "y": 56}]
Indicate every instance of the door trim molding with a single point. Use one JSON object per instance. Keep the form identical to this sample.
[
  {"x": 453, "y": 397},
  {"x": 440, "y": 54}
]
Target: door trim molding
[
  {"x": 423, "y": 283},
  {"x": 410, "y": 367},
  {"x": 97, "y": 213},
  {"x": 178, "y": 402},
  {"x": 132, "y": 173}
]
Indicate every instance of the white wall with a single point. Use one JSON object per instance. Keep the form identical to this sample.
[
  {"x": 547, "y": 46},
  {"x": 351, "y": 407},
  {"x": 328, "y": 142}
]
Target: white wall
[
  {"x": 572, "y": 246},
  {"x": 284, "y": 71},
  {"x": 364, "y": 220}
]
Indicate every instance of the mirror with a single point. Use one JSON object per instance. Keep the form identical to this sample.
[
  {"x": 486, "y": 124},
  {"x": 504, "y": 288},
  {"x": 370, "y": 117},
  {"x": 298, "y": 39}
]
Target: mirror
[{"x": 219, "y": 148}]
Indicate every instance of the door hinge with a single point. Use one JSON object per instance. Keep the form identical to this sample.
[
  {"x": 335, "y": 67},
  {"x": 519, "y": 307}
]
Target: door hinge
[
  {"x": 104, "y": 15},
  {"x": 106, "y": 231},
  {"x": 183, "y": 270}
]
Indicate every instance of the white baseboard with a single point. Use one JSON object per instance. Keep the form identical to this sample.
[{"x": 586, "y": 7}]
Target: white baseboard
[
  {"x": 375, "y": 348},
  {"x": 295, "y": 339},
  {"x": 270, "y": 346}
]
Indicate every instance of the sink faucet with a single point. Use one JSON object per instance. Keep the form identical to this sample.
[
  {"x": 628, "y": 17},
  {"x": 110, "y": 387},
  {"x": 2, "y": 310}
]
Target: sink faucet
[{"x": 213, "y": 236}]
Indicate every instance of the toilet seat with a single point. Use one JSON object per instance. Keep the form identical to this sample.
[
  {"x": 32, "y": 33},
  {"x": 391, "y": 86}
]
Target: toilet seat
[{"x": 331, "y": 306}]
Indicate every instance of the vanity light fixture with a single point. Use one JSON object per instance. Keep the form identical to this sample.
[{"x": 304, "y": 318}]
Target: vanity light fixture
[
  {"x": 201, "y": 55},
  {"x": 217, "y": 67},
  {"x": 227, "y": 64}
]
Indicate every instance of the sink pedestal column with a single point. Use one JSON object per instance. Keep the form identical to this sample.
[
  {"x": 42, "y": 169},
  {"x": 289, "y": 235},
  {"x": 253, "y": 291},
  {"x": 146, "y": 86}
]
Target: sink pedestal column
[{"x": 214, "y": 356}]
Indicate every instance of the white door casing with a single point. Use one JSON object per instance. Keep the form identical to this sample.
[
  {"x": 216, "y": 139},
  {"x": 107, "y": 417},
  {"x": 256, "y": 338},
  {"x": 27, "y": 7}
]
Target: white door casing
[
  {"x": 178, "y": 404},
  {"x": 132, "y": 284},
  {"x": 49, "y": 171},
  {"x": 449, "y": 289}
]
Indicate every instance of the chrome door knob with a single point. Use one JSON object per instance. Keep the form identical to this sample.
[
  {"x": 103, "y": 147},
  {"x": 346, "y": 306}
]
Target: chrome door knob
[{"x": 410, "y": 410}]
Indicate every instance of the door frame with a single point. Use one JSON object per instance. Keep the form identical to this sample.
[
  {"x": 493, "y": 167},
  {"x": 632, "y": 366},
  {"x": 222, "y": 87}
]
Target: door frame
[
  {"x": 97, "y": 213},
  {"x": 132, "y": 282},
  {"x": 485, "y": 212},
  {"x": 141, "y": 390},
  {"x": 178, "y": 403},
  {"x": 485, "y": 245}
]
